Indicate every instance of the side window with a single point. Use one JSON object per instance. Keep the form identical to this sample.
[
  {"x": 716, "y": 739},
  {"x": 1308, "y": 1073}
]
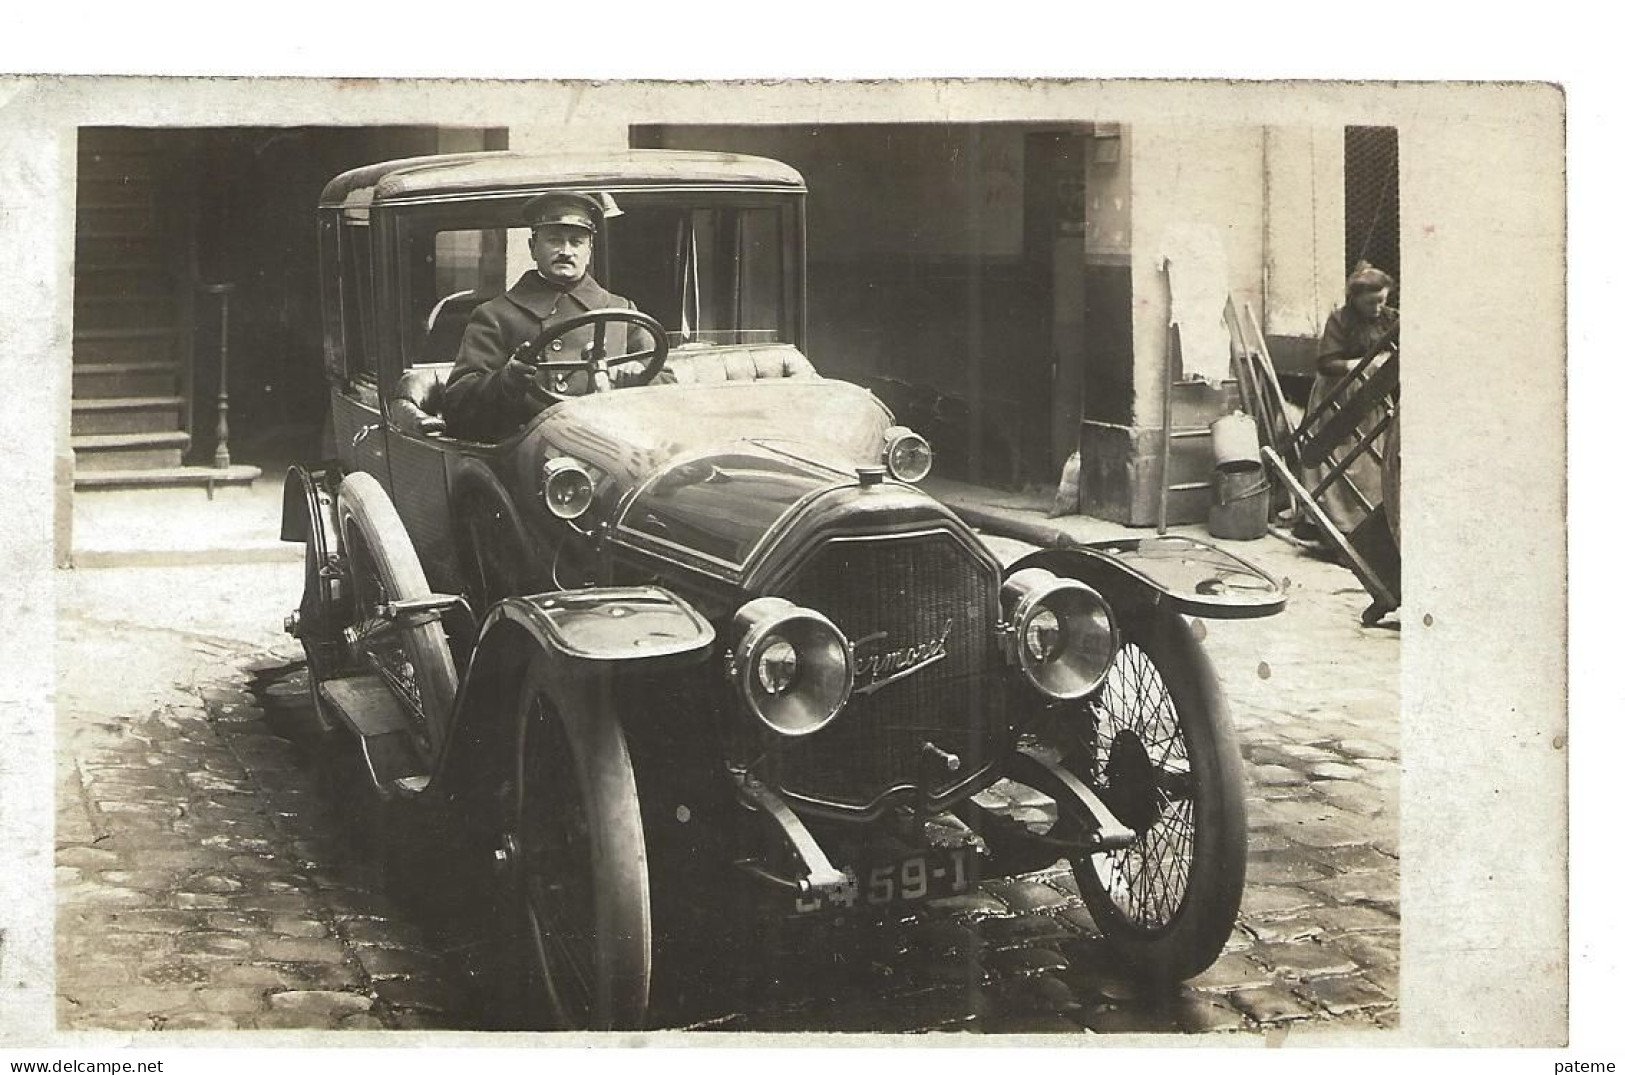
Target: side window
[
  {"x": 735, "y": 279},
  {"x": 452, "y": 272},
  {"x": 332, "y": 303},
  {"x": 710, "y": 275},
  {"x": 356, "y": 301}
]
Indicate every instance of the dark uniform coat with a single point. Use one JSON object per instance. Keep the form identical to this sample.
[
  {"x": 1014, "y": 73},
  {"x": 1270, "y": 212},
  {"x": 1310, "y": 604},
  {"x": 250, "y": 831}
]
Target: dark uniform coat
[{"x": 484, "y": 403}]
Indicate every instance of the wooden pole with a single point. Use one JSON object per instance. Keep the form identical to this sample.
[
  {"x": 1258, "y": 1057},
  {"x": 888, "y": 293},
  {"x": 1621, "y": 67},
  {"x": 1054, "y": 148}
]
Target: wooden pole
[{"x": 1167, "y": 405}]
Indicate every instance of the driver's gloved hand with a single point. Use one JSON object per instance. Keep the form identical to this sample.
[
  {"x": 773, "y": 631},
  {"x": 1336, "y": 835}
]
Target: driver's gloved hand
[
  {"x": 526, "y": 353},
  {"x": 521, "y": 366}
]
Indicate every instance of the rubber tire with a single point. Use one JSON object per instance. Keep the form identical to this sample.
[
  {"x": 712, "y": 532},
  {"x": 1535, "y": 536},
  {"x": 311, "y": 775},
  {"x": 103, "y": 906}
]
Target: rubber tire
[
  {"x": 1197, "y": 933},
  {"x": 623, "y": 922},
  {"x": 365, "y": 512}
]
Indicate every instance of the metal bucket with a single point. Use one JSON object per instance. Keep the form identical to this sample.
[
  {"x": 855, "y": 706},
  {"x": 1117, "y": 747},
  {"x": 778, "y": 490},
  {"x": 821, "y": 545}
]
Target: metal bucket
[
  {"x": 1235, "y": 442},
  {"x": 1241, "y": 502}
]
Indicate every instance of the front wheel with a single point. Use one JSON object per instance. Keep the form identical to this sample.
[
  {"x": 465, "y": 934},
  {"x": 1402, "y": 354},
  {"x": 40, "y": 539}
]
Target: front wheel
[
  {"x": 415, "y": 660},
  {"x": 1165, "y": 760},
  {"x": 579, "y": 891}
]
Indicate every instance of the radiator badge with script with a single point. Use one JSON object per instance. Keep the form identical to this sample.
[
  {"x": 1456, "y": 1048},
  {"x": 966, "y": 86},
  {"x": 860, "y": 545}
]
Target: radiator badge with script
[{"x": 875, "y": 669}]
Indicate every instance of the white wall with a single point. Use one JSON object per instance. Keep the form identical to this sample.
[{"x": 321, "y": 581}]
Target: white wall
[
  {"x": 1202, "y": 174},
  {"x": 553, "y": 138},
  {"x": 1303, "y": 238}
]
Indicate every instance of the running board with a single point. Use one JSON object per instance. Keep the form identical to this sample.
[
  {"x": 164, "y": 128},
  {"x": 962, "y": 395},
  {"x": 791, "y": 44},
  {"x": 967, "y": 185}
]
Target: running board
[{"x": 369, "y": 710}]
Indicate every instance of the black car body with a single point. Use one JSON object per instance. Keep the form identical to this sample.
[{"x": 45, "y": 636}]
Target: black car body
[{"x": 710, "y": 636}]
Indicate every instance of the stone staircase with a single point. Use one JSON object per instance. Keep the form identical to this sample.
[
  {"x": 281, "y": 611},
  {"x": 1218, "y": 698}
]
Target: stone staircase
[{"x": 132, "y": 381}]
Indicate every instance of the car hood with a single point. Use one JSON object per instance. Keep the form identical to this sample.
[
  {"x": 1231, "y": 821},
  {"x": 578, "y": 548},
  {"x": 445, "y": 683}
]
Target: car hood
[{"x": 628, "y": 435}]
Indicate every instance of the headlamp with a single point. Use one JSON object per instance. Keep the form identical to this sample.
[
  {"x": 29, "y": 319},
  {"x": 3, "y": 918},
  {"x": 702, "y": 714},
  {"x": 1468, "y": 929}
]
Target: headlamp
[
  {"x": 791, "y": 665},
  {"x": 567, "y": 488},
  {"x": 1065, "y": 634},
  {"x": 908, "y": 456}
]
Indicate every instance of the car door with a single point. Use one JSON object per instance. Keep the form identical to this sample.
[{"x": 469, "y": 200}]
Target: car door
[
  {"x": 358, "y": 430},
  {"x": 418, "y": 478},
  {"x": 426, "y": 270}
]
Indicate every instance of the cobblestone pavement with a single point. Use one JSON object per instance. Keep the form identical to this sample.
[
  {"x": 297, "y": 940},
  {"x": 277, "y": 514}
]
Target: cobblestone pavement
[{"x": 211, "y": 875}]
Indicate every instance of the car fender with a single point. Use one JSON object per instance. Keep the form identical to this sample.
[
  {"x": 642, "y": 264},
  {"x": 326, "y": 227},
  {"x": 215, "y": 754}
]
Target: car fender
[
  {"x": 473, "y": 480},
  {"x": 593, "y": 631},
  {"x": 581, "y": 638},
  {"x": 301, "y": 501},
  {"x": 1140, "y": 574}
]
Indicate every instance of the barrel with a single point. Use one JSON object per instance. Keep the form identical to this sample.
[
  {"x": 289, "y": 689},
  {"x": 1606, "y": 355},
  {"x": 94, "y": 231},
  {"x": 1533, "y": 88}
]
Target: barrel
[
  {"x": 1235, "y": 442},
  {"x": 1241, "y": 502}
]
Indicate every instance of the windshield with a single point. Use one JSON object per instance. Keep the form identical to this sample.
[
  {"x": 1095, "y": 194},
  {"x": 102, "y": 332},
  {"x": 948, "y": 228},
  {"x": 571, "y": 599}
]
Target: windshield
[{"x": 714, "y": 269}]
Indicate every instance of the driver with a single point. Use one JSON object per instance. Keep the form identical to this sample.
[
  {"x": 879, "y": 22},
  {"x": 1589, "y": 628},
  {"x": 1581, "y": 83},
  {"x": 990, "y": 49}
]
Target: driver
[{"x": 486, "y": 397}]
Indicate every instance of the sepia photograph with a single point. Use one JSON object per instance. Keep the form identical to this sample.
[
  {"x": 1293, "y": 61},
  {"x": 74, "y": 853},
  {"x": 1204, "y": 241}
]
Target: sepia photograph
[
  {"x": 734, "y": 568},
  {"x": 748, "y": 578}
]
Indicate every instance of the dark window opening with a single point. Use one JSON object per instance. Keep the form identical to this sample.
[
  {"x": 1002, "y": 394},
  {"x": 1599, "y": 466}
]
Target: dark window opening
[
  {"x": 356, "y": 301},
  {"x": 1371, "y": 199}
]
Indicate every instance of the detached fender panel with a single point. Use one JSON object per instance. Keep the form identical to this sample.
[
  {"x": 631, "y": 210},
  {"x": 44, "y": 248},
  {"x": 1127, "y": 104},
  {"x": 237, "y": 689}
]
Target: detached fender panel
[
  {"x": 297, "y": 500},
  {"x": 579, "y": 636},
  {"x": 309, "y": 494},
  {"x": 605, "y": 627},
  {"x": 1188, "y": 576}
]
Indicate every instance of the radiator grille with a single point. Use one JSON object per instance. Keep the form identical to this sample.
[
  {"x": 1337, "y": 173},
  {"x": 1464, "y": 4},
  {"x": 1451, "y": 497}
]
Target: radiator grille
[{"x": 889, "y": 595}]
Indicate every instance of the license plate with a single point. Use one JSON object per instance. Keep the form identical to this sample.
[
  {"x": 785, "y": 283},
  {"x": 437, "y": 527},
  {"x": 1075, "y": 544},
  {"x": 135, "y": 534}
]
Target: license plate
[{"x": 922, "y": 876}]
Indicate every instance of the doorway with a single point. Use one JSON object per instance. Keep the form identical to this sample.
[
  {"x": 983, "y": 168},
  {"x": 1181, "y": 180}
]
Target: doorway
[{"x": 163, "y": 214}]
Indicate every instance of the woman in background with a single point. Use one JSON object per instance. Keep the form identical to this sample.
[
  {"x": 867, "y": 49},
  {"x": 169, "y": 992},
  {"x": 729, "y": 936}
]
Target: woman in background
[{"x": 1365, "y": 324}]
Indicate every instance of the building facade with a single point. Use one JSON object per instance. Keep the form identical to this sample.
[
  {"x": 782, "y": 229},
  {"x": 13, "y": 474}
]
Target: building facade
[{"x": 1000, "y": 285}]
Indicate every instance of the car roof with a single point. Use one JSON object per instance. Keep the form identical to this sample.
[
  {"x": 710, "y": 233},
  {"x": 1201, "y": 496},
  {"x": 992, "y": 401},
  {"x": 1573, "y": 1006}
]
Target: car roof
[{"x": 454, "y": 175}]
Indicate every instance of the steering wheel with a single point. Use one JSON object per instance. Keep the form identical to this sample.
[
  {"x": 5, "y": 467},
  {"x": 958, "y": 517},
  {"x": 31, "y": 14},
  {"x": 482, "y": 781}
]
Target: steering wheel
[{"x": 595, "y": 363}]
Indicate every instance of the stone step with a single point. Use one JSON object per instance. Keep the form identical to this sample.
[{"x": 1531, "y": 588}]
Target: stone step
[
  {"x": 127, "y": 414},
  {"x": 115, "y": 198},
  {"x": 97, "y": 285},
  {"x": 117, "y": 265},
  {"x": 117, "y": 140},
  {"x": 116, "y": 219},
  {"x": 105, "y": 167},
  {"x": 122, "y": 170},
  {"x": 166, "y": 477},
  {"x": 115, "y": 349},
  {"x": 106, "y": 343},
  {"x": 143, "y": 332},
  {"x": 128, "y": 451},
  {"x": 115, "y": 313},
  {"x": 108, "y": 294},
  {"x": 123, "y": 234},
  {"x": 89, "y": 250},
  {"x": 106, "y": 192},
  {"x": 112, "y": 380},
  {"x": 127, "y": 459}
]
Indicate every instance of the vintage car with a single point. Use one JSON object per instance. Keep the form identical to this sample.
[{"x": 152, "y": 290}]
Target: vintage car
[{"x": 677, "y": 646}]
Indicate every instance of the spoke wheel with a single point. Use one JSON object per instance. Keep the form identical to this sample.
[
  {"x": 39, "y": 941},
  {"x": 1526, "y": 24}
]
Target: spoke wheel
[
  {"x": 383, "y": 566},
  {"x": 579, "y": 866},
  {"x": 1164, "y": 759}
]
